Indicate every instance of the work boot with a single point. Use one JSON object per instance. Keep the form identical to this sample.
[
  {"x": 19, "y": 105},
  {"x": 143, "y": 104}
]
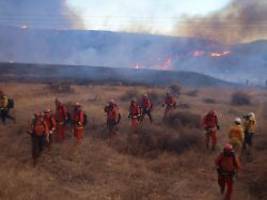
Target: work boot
[
  {"x": 34, "y": 163},
  {"x": 222, "y": 190}
]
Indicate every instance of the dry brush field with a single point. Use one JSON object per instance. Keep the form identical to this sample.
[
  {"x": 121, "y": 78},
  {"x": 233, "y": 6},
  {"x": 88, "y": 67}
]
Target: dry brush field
[{"x": 163, "y": 162}]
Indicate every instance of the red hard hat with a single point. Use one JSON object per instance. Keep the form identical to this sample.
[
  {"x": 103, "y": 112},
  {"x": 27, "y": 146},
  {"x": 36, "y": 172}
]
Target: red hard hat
[
  {"x": 112, "y": 101},
  {"x": 77, "y": 104},
  {"x": 228, "y": 148},
  {"x": 48, "y": 110},
  {"x": 212, "y": 112}
]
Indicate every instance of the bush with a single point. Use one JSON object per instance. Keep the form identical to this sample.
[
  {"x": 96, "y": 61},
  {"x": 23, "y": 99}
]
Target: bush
[
  {"x": 240, "y": 99},
  {"x": 183, "y": 119},
  {"x": 183, "y": 106},
  {"x": 156, "y": 97},
  {"x": 175, "y": 89},
  {"x": 61, "y": 87},
  {"x": 209, "y": 100},
  {"x": 130, "y": 94},
  {"x": 264, "y": 110},
  {"x": 192, "y": 93},
  {"x": 153, "y": 140}
]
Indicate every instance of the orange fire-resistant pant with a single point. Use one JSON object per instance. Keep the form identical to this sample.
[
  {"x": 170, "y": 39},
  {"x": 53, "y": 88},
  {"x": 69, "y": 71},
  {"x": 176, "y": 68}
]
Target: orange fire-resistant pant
[
  {"x": 60, "y": 131},
  {"x": 134, "y": 123},
  {"x": 228, "y": 182},
  {"x": 168, "y": 110},
  {"x": 211, "y": 135},
  {"x": 78, "y": 133}
]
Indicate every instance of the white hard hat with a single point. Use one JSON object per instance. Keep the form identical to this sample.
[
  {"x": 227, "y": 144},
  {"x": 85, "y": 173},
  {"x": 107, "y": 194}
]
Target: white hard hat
[
  {"x": 238, "y": 120},
  {"x": 251, "y": 114}
]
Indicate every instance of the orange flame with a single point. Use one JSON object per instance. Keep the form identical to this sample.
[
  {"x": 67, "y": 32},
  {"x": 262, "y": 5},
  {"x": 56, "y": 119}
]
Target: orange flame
[
  {"x": 166, "y": 65},
  {"x": 198, "y": 53},
  {"x": 24, "y": 27},
  {"x": 219, "y": 54}
]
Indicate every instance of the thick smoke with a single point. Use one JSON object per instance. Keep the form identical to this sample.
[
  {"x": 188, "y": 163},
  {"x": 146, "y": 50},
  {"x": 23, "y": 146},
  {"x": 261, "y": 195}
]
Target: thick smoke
[
  {"x": 52, "y": 14},
  {"x": 241, "y": 20}
]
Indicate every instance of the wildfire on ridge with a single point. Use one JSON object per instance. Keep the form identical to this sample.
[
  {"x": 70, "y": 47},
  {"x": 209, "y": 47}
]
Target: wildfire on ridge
[
  {"x": 166, "y": 65},
  {"x": 138, "y": 66},
  {"x": 219, "y": 54},
  {"x": 200, "y": 53},
  {"x": 24, "y": 27}
]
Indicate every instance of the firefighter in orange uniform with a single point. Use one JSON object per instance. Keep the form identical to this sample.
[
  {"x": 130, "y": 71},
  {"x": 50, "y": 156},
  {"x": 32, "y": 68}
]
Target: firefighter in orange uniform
[
  {"x": 51, "y": 123},
  {"x": 211, "y": 125},
  {"x": 61, "y": 117},
  {"x": 39, "y": 131},
  {"x": 78, "y": 123},
  {"x": 170, "y": 103},
  {"x": 227, "y": 167},
  {"x": 113, "y": 117},
  {"x": 146, "y": 106},
  {"x": 134, "y": 114}
]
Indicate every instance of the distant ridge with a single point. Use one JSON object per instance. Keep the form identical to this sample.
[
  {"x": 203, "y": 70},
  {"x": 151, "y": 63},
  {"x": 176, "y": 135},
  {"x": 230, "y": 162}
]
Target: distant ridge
[{"x": 96, "y": 74}]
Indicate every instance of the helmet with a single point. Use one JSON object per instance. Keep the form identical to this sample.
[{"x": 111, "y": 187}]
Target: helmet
[
  {"x": 228, "y": 148},
  {"x": 251, "y": 114},
  {"x": 211, "y": 112},
  {"x": 112, "y": 101},
  {"x": 238, "y": 120},
  {"x": 38, "y": 114},
  {"x": 77, "y": 104},
  {"x": 48, "y": 110}
]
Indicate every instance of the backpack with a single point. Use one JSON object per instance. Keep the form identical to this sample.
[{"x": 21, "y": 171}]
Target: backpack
[
  {"x": 11, "y": 103},
  {"x": 85, "y": 119}
]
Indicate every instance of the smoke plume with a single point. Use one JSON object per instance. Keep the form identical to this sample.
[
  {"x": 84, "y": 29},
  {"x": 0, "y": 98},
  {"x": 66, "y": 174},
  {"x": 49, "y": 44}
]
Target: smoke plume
[
  {"x": 240, "y": 21},
  {"x": 51, "y": 14}
]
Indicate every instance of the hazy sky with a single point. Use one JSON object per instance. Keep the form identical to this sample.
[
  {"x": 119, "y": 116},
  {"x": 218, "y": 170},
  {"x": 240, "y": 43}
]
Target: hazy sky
[{"x": 147, "y": 15}]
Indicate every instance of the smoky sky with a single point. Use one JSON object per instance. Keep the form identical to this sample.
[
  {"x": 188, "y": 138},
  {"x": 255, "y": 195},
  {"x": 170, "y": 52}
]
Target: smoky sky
[
  {"x": 241, "y": 20},
  {"x": 52, "y": 14}
]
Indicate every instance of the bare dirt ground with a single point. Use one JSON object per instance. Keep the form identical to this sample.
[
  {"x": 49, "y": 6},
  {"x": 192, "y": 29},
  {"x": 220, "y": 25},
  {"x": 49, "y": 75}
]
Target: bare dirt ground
[{"x": 128, "y": 167}]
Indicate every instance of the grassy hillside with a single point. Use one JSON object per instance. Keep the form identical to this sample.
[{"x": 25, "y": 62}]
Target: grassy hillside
[
  {"x": 103, "y": 75},
  {"x": 163, "y": 162}
]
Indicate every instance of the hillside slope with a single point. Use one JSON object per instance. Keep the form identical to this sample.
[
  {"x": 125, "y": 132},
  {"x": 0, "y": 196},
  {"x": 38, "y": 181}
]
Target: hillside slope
[
  {"x": 122, "y": 168},
  {"x": 89, "y": 74}
]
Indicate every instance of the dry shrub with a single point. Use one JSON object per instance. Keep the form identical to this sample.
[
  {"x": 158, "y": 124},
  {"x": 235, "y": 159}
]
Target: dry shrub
[
  {"x": 192, "y": 93},
  {"x": 175, "y": 89},
  {"x": 240, "y": 99},
  {"x": 156, "y": 97},
  {"x": 153, "y": 140},
  {"x": 258, "y": 186},
  {"x": 183, "y": 106},
  {"x": 180, "y": 120},
  {"x": 209, "y": 101},
  {"x": 61, "y": 87},
  {"x": 264, "y": 110},
  {"x": 130, "y": 94}
]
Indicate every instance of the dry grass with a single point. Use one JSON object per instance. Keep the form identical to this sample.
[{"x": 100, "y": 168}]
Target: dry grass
[
  {"x": 209, "y": 101},
  {"x": 162, "y": 162},
  {"x": 179, "y": 120},
  {"x": 240, "y": 99}
]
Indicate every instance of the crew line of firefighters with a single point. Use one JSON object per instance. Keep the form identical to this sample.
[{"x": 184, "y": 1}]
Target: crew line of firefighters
[{"x": 46, "y": 126}]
